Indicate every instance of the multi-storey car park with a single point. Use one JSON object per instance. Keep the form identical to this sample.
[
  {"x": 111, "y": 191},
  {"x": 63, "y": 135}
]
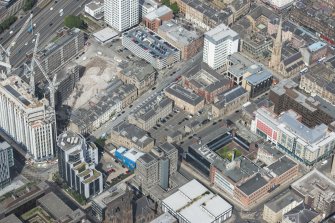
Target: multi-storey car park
[{"x": 148, "y": 45}]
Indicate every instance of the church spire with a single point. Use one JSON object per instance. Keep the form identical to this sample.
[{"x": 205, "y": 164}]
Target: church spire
[{"x": 276, "y": 50}]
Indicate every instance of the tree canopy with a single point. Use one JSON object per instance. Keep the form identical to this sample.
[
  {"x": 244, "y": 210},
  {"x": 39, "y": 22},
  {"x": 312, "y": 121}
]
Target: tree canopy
[
  {"x": 73, "y": 21},
  {"x": 28, "y": 5},
  {"x": 7, "y": 23},
  {"x": 174, "y": 7}
]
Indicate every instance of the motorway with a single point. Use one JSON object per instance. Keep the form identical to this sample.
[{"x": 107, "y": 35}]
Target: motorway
[
  {"x": 47, "y": 22},
  {"x": 162, "y": 81}
]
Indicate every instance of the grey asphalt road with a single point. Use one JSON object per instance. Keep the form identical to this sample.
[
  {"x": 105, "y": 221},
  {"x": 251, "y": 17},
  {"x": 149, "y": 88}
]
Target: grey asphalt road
[
  {"x": 47, "y": 22},
  {"x": 162, "y": 84}
]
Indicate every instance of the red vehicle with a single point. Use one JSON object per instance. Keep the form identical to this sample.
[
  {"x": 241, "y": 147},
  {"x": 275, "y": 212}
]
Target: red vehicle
[{"x": 111, "y": 170}]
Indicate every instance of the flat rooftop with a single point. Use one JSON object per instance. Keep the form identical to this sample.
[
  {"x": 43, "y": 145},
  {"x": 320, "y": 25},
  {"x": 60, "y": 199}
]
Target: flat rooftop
[
  {"x": 270, "y": 149},
  {"x": 184, "y": 95},
  {"x": 68, "y": 140},
  {"x": 157, "y": 13},
  {"x": 178, "y": 33},
  {"x": 10, "y": 219},
  {"x": 164, "y": 218},
  {"x": 147, "y": 159},
  {"x": 151, "y": 42},
  {"x": 64, "y": 39},
  {"x": 133, "y": 154},
  {"x": 105, "y": 34},
  {"x": 242, "y": 65},
  {"x": 221, "y": 33},
  {"x": 55, "y": 206},
  {"x": 137, "y": 69},
  {"x": 280, "y": 202},
  {"x": 316, "y": 46},
  {"x": 106, "y": 197},
  {"x": 257, "y": 39},
  {"x": 315, "y": 182},
  {"x": 311, "y": 135},
  {"x": 195, "y": 203},
  {"x": 20, "y": 90},
  {"x": 259, "y": 77}
]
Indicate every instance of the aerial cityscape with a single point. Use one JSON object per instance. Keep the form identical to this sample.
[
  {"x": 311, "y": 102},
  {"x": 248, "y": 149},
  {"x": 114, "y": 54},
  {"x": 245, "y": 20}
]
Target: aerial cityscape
[{"x": 167, "y": 111}]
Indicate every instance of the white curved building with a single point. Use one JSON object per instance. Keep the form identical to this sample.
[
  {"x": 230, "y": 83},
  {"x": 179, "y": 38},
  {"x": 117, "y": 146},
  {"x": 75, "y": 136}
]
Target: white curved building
[{"x": 27, "y": 120}]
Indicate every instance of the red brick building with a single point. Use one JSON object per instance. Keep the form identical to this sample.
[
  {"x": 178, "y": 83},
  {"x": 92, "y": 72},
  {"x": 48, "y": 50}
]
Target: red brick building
[
  {"x": 249, "y": 183},
  {"x": 155, "y": 18}
]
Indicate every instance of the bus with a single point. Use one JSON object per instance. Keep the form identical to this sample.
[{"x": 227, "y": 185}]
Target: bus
[
  {"x": 303, "y": 70},
  {"x": 322, "y": 59}
]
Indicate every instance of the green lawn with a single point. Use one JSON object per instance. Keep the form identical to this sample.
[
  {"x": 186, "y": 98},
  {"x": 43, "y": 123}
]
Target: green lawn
[{"x": 227, "y": 153}]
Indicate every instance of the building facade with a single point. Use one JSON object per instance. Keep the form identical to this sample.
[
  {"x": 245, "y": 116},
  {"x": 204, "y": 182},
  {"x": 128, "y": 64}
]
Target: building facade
[
  {"x": 95, "y": 9},
  {"x": 6, "y": 161},
  {"x": 257, "y": 83},
  {"x": 204, "y": 15},
  {"x": 275, "y": 209},
  {"x": 319, "y": 80},
  {"x": 229, "y": 101},
  {"x": 121, "y": 14},
  {"x": 307, "y": 145},
  {"x": 156, "y": 167},
  {"x": 27, "y": 120},
  {"x": 147, "y": 6},
  {"x": 138, "y": 73},
  {"x": 313, "y": 110},
  {"x": 184, "y": 99},
  {"x": 149, "y": 113},
  {"x": 76, "y": 161},
  {"x": 247, "y": 182},
  {"x": 312, "y": 53},
  {"x": 153, "y": 20},
  {"x": 101, "y": 108},
  {"x": 130, "y": 136},
  {"x": 317, "y": 190},
  {"x": 56, "y": 55},
  {"x": 218, "y": 44},
  {"x": 114, "y": 205}
]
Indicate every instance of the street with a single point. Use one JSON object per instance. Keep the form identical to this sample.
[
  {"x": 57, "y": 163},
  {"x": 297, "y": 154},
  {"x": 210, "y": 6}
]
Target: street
[
  {"x": 162, "y": 83},
  {"x": 47, "y": 22}
]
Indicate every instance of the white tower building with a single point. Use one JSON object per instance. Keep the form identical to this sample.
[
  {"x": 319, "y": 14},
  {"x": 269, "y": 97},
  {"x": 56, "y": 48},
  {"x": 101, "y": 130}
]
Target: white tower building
[
  {"x": 121, "y": 14},
  {"x": 218, "y": 44},
  {"x": 29, "y": 121}
]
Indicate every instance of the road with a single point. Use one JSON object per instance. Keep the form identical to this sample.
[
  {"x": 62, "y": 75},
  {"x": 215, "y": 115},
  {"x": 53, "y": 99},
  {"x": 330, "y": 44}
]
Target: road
[
  {"x": 47, "y": 23},
  {"x": 162, "y": 83}
]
